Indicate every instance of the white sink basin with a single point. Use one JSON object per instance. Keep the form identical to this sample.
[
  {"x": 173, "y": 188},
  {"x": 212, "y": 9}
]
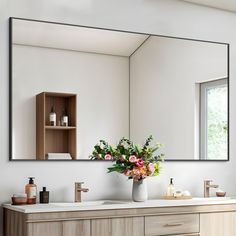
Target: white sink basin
[{"x": 85, "y": 204}]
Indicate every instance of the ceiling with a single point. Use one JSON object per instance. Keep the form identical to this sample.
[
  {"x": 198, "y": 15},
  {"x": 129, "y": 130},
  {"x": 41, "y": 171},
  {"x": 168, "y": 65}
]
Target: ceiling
[
  {"x": 59, "y": 36},
  {"x": 228, "y": 5}
]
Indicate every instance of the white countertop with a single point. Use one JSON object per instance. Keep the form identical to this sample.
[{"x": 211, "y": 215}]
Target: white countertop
[{"x": 115, "y": 204}]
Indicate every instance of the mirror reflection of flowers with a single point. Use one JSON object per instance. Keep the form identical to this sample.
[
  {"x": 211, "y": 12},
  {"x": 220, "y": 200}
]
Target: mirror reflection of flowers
[{"x": 134, "y": 161}]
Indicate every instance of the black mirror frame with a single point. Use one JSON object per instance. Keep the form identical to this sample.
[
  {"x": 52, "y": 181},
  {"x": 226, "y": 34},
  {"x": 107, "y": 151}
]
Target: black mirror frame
[{"x": 165, "y": 36}]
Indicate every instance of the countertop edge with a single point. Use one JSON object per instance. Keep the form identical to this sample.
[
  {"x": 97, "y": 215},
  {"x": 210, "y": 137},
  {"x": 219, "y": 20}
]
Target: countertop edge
[{"x": 158, "y": 204}]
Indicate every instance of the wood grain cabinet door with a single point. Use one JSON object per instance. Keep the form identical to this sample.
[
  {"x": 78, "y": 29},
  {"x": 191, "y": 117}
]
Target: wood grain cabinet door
[
  {"x": 45, "y": 229},
  {"x": 76, "y": 228},
  {"x": 130, "y": 226},
  {"x": 218, "y": 224},
  {"x": 101, "y": 227},
  {"x": 133, "y": 226},
  {"x": 62, "y": 228}
]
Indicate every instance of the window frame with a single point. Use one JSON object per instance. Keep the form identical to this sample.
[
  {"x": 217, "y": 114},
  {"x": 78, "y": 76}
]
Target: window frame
[{"x": 203, "y": 115}]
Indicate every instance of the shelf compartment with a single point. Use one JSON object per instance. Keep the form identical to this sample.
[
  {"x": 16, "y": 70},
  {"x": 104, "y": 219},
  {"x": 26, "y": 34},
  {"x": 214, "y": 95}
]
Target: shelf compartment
[
  {"x": 55, "y": 139},
  {"x": 60, "y": 141}
]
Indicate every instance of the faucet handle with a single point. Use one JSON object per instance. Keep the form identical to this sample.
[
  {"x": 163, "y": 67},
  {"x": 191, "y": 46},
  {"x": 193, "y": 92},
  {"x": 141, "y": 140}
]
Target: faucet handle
[{"x": 79, "y": 182}]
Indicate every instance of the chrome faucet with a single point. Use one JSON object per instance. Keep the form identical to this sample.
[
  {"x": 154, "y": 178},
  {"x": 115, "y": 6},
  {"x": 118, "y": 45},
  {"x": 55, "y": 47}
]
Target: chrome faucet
[
  {"x": 207, "y": 186},
  {"x": 78, "y": 190}
]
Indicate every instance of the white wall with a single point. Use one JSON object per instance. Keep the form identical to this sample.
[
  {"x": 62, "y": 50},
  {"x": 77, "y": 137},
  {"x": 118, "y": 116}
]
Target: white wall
[
  {"x": 164, "y": 73},
  {"x": 167, "y": 17},
  {"x": 100, "y": 81}
]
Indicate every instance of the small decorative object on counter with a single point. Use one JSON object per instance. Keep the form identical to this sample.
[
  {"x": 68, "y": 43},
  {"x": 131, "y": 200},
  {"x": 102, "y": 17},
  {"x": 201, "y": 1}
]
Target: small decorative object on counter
[
  {"x": 31, "y": 191},
  {"x": 44, "y": 196},
  {"x": 220, "y": 193},
  {"x": 171, "y": 189},
  {"x": 64, "y": 118},
  {"x": 178, "y": 195},
  {"x": 186, "y": 193},
  {"x": 132, "y": 160},
  {"x": 52, "y": 117},
  {"x": 19, "y": 199}
]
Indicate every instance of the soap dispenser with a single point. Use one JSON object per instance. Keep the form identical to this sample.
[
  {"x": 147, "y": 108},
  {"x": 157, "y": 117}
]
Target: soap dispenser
[
  {"x": 171, "y": 189},
  {"x": 44, "y": 196},
  {"x": 31, "y": 191}
]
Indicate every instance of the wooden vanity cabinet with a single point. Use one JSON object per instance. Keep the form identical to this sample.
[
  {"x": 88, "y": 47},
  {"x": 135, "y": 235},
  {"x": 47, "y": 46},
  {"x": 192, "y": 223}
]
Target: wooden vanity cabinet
[
  {"x": 209, "y": 220},
  {"x": 218, "y": 224}
]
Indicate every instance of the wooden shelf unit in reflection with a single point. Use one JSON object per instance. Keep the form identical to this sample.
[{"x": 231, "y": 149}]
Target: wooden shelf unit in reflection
[{"x": 55, "y": 139}]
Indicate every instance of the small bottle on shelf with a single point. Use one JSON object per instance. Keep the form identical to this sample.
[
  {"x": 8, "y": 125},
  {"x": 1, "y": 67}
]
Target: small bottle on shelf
[
  {"x": 64, "y": 118},
  {"x": 52, "y": 117}
]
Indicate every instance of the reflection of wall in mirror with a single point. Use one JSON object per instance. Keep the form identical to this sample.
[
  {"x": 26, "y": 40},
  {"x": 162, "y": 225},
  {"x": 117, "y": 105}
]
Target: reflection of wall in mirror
[
  {"x": 165, "y": 74},
  {"x": 100, "y": 80}
]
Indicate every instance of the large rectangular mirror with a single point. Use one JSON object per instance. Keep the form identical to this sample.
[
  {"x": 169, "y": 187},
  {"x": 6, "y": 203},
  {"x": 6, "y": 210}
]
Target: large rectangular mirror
[{"x": 71, "y": 86}]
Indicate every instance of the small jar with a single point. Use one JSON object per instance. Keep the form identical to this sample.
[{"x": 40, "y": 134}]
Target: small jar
[{"x": 19, "y": 199}]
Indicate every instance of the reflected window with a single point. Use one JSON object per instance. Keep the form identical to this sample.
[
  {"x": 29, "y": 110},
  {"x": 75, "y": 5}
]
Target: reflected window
[{"x": 214, "y": 119}]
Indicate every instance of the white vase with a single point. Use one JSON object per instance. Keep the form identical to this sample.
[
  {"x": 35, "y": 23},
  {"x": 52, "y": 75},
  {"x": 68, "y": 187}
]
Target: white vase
[{"x": 139, "y": 193}]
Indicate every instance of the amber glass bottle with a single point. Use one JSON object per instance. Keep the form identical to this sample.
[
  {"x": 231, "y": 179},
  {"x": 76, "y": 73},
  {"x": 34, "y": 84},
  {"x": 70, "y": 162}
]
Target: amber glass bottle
[{"x": 31, "y": 191}]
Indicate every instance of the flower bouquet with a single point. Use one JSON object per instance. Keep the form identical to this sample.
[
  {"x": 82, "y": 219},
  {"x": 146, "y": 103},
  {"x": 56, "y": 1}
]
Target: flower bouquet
[{"x": 132, "y": 160}]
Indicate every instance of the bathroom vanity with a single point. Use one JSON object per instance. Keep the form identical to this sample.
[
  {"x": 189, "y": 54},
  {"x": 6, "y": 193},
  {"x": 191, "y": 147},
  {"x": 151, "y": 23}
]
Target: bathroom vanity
[{"x": 195, "y": 217}]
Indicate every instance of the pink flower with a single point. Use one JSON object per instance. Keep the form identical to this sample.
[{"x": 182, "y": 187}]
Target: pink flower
[
  {"x": 127, "y": 173},
  {"x": 139, "y": 163},
  {"x": 151, "y": 167},
  {"x": 122, "y": 158},
  {"x": 108, "y": 157},
  {"x": 132, "y": 159}
]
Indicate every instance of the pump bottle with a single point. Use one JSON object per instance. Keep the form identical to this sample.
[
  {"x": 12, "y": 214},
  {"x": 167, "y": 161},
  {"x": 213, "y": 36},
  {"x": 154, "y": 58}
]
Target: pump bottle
[
  {"x": 31, "y": 191},
  {"x": 171, "y": 189}
]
